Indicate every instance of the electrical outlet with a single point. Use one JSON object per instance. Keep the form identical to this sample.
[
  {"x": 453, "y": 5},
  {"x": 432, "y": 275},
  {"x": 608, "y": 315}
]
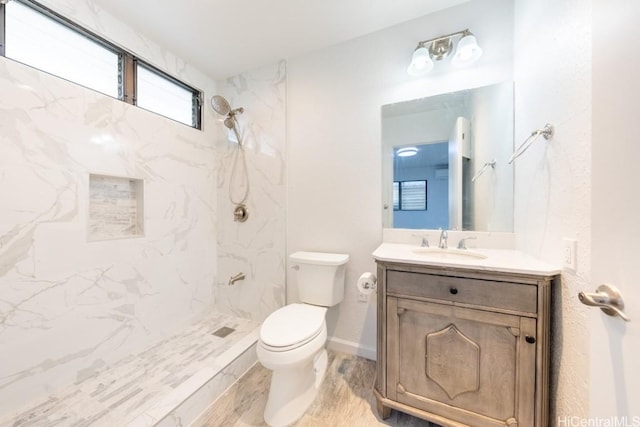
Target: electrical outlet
[
  {"x": 363, "y": 297},
  {"x": 570, "y": 254}
]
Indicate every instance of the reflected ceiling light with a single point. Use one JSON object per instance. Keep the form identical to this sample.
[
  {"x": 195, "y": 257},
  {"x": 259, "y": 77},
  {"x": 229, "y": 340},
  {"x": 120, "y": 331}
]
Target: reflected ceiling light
[
  {"x": 467, "y": 52},
  {"x": 406, "y": 151}
]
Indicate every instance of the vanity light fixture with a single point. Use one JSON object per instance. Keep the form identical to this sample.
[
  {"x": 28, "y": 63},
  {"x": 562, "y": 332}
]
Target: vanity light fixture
[
  {"x": 406, "y": 151},
  {"x": 467, "y": 52}
]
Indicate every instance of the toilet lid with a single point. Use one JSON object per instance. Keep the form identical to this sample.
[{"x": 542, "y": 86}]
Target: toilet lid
[{"x": 292, "y": 324}]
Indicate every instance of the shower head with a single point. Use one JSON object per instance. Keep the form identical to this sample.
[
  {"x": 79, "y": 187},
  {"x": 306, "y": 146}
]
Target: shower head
[
  {"x": 220, "y": 105},
  {"x": 223, "y": 108}
]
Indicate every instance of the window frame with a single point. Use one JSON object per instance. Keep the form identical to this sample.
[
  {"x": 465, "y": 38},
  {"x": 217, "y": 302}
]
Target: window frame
[
  {"x": 2, "y": 29},
  {"x": 400, "y": 204},
  {"x": 196, "y": 95},
  {"x": 127, "y": 63}
]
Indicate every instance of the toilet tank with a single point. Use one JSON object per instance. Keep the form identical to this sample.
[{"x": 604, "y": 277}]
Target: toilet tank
[{"x": 320, "y": 277}]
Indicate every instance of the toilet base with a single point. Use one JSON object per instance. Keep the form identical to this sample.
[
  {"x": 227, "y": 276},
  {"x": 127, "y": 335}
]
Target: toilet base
[{"x": 294, "y": 389}]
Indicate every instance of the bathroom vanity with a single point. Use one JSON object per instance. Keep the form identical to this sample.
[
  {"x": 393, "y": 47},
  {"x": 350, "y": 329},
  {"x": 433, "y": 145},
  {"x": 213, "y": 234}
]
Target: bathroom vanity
[{"x": 463, "y": 342}]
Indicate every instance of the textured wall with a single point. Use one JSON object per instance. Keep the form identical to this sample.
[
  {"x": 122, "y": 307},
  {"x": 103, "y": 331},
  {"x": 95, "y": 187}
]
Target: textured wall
[
  {"x": 492, "y": 130},
  {"x": 257, "y": 246},
  {"x": 69, "y": 306},
  {"x": 334, "y": 138},
  {"x": 553, "y": 179}
]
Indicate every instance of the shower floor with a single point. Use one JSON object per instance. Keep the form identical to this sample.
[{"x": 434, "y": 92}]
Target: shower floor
[{"x": 144, "y": 389}]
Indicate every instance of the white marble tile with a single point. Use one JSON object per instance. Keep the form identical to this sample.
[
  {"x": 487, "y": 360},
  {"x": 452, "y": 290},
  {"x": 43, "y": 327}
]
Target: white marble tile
[
  {"x": 199, "y": 401},
  {"x": 257, "y": 246},
  {"x": 181, "y": 375},
  {"x": 66, "y": 304},
  {"x": 69, "y": 307}
]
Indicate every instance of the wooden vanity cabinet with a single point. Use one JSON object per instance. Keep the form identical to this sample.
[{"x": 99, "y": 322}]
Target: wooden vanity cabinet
[{"x": 461, "y": 347}]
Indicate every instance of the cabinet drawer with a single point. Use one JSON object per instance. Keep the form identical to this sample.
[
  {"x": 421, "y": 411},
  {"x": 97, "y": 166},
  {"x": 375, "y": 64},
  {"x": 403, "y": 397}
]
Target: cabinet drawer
[{"x": 503, "y": 295}]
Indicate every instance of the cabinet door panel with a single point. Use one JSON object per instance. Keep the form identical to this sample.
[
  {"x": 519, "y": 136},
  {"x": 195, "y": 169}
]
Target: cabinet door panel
[{"x": 460, "y": 363}]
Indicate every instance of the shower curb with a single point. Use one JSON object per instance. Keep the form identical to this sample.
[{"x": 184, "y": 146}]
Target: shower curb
[{"x": 187, "y": 402}]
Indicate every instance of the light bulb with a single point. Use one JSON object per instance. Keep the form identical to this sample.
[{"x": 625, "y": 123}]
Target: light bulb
[
  {"x": 421, "y": 62},
  {"x": 467, "y": 51}
]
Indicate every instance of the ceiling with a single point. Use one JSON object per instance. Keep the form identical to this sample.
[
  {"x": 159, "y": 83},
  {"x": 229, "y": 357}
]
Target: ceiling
[{"x": 225, "y": 37}]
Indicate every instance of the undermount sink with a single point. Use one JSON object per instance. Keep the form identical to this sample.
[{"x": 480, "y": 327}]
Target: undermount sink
[{"x": 453, "y": 254}]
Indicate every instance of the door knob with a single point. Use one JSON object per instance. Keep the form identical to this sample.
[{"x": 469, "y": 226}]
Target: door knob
[{"x": 608, "y": 298}]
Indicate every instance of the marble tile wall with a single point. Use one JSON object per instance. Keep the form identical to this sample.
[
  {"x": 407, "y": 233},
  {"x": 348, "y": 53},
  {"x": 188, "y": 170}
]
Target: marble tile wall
[
  {"x": 70, "y": 307},
  {"x": 255, "y": 247}
]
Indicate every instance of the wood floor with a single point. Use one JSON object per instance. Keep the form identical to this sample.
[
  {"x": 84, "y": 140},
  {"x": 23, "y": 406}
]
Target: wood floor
[{"x": 345, "y": 399}]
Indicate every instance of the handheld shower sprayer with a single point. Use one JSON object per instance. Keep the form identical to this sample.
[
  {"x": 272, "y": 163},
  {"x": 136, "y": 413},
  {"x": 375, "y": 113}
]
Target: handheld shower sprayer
[{"x": 222, "y": 107}]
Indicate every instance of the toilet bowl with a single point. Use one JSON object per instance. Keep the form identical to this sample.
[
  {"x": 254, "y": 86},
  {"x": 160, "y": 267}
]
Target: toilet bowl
[
  {"x": 297, "y": 358},
  {"x": 292, "y": 338}
]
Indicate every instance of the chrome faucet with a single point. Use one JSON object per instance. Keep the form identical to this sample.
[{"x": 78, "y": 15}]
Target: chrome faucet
[
  {"x": 443, "y": 239},
  {"x": 462, "y": 244},
  {"x": 234, "y": 279},
  {"x": 424, "y": 242}
]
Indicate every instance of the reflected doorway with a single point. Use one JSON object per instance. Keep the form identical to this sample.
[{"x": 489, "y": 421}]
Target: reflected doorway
[{"x": 421, "y": 186}]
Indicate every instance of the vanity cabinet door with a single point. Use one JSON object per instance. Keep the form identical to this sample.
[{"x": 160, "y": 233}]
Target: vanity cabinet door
[{"x": 472, "y": 366}]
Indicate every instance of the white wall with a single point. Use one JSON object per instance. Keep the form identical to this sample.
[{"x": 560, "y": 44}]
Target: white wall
[
  {"x": 492, "y": 130},
  {"x": 553, "y": 179},
  {"x": 69, "y": 307},
  {"x": 334, "y": 138}
]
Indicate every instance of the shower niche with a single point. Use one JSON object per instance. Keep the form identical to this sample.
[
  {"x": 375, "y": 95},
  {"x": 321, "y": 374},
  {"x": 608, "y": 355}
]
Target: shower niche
[{"x": 116, "y": 208}]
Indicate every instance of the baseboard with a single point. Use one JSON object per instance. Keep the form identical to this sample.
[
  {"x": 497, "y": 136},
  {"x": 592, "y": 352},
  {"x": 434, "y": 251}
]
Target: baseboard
[{"x": 351, "y": 347}]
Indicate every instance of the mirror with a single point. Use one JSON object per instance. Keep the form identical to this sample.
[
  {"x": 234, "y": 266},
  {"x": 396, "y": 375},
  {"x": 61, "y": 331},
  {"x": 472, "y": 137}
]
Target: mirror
[{"x": 444, "y": 161}]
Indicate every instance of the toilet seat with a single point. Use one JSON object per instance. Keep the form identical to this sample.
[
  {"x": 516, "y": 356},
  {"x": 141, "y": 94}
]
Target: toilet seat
[{"x": 292, "y": 326}]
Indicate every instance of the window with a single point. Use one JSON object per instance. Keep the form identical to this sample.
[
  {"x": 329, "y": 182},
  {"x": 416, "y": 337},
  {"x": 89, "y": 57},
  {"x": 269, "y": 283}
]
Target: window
[
  {"x": 396, "y": 196},
  {"x": 163, "y": 95},
  {"x": 39, "y": 41},
  {"x": 410, "y": 195},
  {"x": 40, "y": 38}
]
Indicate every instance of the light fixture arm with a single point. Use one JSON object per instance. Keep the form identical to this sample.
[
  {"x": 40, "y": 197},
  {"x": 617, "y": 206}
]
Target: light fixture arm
[
  {"x": 462, "y": 33},
  {"x": 467, "y": 51}
]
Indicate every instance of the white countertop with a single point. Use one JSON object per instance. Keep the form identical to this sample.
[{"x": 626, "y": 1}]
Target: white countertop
[{"x": 501, "y": 260}]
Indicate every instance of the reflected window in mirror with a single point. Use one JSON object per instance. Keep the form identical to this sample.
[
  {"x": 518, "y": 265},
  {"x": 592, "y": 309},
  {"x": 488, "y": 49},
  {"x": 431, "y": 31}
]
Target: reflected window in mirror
[{"x": 410, "y": 195}]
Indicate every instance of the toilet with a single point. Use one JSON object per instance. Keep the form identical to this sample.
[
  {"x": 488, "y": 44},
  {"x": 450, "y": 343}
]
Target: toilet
[{"x": 292, "y": 338}]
